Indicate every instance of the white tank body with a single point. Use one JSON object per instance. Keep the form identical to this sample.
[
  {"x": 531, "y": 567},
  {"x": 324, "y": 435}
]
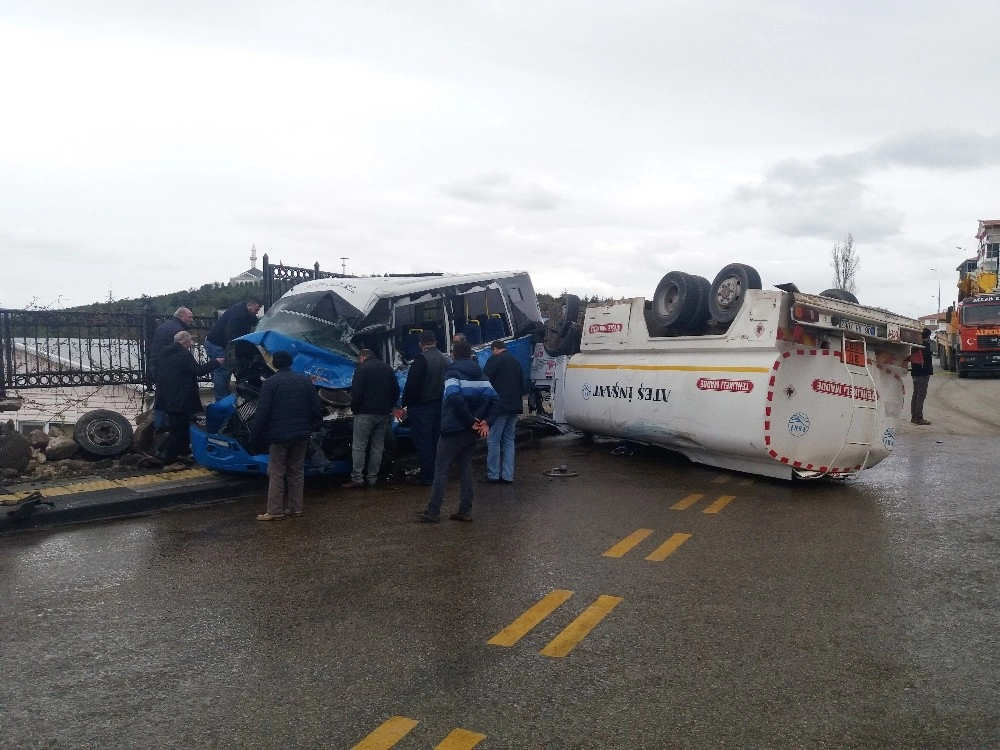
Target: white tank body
[{"x": 750, "y": 399}]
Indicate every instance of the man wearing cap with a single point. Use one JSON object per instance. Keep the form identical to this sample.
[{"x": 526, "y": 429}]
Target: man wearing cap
[
  {"x": 507, "y": 379},
  {"x": 921, "y": 372}
]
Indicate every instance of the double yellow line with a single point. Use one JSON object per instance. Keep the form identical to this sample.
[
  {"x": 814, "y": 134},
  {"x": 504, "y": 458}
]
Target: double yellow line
[{"x": 571, "y": 635}]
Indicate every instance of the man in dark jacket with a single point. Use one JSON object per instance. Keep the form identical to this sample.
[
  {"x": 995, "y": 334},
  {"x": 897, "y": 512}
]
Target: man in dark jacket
[
  {"x": 238, "y": 320},
  {"x": 287, "y": 410},
  {"x": 422, "y": 401},
  {"x": 470, "y": 405},
  {"x": 920, "y": 372},
  {"x": 177, "y": 393},
  {"x": 374, "y": 392},
  {"x": 507, "y": 378},
  {"x": 163, "y": 337}
]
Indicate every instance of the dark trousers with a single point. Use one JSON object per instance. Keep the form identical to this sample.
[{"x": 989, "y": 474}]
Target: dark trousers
[
  {"x": 451, "y": 448},
  {"x": 424, "y": 421},
  {"x": 920, "y": 383},
  {"x": 285, "y": 477},
  {"x": 178, "y": 442}
]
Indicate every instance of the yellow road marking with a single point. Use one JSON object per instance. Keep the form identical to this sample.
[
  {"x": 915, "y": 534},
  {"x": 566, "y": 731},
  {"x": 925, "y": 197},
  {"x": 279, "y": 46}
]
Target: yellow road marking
[
  {"x": 719, "y": 504},
  {"x": 577, "y": 630},
  {"x": 387, "y": 735},
  {"x": 676, "y": 368},
  {"x": 109, "y": 484},
  {"x": 687, "y": 502},
  {"x": 628, "y": 543},
  {"x": 523, "y": 624},
  {"x": 460, "y": 739},
  {"x": 664, "y": 551}
]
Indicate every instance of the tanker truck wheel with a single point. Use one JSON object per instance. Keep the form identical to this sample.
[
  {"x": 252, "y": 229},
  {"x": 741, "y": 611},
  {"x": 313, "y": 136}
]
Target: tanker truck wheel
[
  {"x": 681, "y": 301},
  {"x": 729, "y": 289}
]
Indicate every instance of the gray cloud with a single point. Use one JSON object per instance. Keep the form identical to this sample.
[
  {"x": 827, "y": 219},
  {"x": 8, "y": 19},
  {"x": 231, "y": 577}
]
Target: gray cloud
[
  {"x": 825, "y": 196},
  {"x": 497, "y": 188}
]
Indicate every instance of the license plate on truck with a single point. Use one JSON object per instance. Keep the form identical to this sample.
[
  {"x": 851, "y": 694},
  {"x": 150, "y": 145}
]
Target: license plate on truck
[{"x": 862, "y": 328}]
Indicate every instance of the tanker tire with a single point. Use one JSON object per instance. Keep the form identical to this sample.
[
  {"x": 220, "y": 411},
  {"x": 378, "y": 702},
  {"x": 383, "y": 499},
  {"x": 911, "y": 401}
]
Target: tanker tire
[
  {"x": 842, "y": 294},
  {"x": 729, "y": 289},
  {"x": 676, "y": 300},
  {"x": 103, "y": 433},
  {"x": 571, "y": 312}
]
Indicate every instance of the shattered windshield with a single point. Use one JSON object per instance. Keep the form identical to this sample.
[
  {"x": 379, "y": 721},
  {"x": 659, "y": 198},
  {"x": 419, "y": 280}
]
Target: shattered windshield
[{"x": 322, "y": 319}]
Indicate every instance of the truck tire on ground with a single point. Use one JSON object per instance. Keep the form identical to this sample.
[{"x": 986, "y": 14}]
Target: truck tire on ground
[
  {"x": 841, "y": 294},
  {"x": 678, "y": 299},
  {"x": 103, "y": 432},
  {"x": 728, "y": 290}
]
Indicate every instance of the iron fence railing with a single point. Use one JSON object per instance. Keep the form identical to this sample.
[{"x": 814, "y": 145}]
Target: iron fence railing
[{"x": 56, "y": 348}]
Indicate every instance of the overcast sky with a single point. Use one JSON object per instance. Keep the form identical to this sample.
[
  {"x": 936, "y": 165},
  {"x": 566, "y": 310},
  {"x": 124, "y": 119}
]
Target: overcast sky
[{"x": 145, "y": 146}]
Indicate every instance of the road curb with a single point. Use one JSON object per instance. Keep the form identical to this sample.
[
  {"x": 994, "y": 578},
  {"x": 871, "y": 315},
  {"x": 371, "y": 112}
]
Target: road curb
[{"x": 96, "y": 498}]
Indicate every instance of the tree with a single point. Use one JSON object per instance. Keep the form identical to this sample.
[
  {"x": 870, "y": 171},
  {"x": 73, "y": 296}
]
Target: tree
[{"x": 845, "y": 261}]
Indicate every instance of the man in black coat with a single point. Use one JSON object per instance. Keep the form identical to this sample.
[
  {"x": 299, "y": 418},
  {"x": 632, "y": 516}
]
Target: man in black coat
[
  {"x": 422, "y": 401},
  {"x": 238, "y": 320},
  {"x": 507, "y": 378},
  {"x": 287, "y": 411},
  {"x": 163, "y": 337},
  {"x": 374, "y": 391},
  {"x": 177, "y": 393}
]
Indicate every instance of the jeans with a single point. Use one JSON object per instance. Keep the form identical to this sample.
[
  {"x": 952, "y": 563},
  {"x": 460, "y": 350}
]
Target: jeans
[
  {"x": 455, "y": 446},
  {"x": 500, "y": 448},
  {"x": 369, "y": 432},
  {"x": 285, "y": 477},
  {"x": 424, "y": 421},
  {"x": 220, "y": 375}
]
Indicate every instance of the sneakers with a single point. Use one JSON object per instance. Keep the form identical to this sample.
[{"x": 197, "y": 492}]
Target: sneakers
[
  {"x": 423, "y": 515},
  {"x": 461, "y": 517},
  {"x": 352, "y": 485},
  {"x": 919, "y": 421},
  {"x": 269, "y": 517}
]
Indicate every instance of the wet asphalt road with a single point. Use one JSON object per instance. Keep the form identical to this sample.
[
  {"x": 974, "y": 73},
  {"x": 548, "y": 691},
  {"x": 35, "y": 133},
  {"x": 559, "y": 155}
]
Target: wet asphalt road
[{"x": 797, "y": 615}]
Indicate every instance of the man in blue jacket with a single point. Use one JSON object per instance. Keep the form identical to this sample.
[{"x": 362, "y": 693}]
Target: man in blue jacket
[
  {"x": 470, "y": 405},
  {"x": 287, "y": 411}
]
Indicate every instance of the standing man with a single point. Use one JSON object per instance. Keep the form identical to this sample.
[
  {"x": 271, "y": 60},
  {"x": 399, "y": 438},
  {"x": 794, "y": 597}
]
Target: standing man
[
  {"x": 470, "y": 404},
  {"x": 163, "y": 337},
  {"x": 238, "y": 320},
  {"x": 422, "y": 401},
  {"x": 177, "y": 393},
  {"x": 507, "y": 378},
  {"x": 287, "y": 409},
  {"x": 374, "y": 391},
  {"x": 921, "y": 372}
]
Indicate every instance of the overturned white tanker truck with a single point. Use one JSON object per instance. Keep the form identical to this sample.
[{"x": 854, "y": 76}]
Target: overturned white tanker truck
[{"x": 772, "y": 382}]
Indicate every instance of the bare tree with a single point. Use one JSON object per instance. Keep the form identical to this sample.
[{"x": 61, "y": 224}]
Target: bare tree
[{"x": 845, "y": 261}]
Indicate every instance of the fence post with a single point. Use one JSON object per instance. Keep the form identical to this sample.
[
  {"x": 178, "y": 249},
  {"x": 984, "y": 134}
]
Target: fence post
[
  {"x": 147, "y": 342},
  {"x": 268, "y": 290},
  {"x": 3, "y": 351}
]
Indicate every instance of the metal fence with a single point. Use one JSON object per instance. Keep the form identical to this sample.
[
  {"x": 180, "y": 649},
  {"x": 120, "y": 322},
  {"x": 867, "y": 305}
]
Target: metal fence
[{"x": 53, "y": 349}]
